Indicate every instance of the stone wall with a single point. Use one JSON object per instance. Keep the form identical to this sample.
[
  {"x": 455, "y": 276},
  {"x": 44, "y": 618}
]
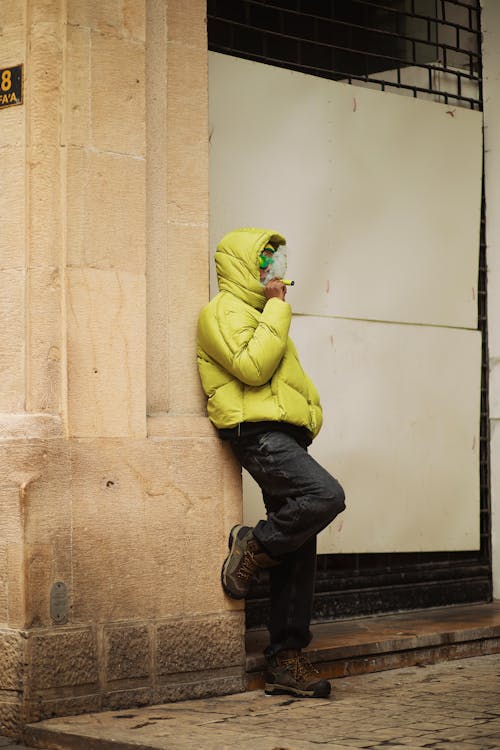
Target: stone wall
[{"x": 112, "y": 481}]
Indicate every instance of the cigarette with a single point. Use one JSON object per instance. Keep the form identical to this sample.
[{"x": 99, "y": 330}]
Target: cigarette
[{"x": 288, "y": 282}]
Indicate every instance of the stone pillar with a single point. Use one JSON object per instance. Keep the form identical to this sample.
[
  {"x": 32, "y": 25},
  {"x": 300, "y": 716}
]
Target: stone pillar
[
  {"x": 117, "y": 518},
  {"x": 491, "y": 81}
]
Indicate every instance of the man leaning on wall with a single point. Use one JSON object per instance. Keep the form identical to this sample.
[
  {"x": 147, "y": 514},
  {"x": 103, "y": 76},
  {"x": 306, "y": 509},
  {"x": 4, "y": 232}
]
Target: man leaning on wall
[{"x": 263, "y": 403}]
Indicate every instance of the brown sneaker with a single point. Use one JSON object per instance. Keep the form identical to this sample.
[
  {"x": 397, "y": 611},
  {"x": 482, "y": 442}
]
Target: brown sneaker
[
  {"x": 291, "y": 673},
  {"x": 245, "y": 558}
]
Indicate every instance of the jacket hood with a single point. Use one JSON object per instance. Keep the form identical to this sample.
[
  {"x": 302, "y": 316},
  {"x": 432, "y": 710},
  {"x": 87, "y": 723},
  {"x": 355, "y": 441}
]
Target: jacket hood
[{"x": 237, "y": 263}]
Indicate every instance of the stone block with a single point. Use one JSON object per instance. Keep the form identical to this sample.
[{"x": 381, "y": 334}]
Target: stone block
[
  {"x": 106, "y": 211},
  {"x": 44, "y": 391},
  {"x": 12, "y": 206},
  {"x": 4, "y": 581},
  {"x": 11, "y": 718},
  {"x": 65, "y": 659},
  {"x": 157, "y": 522},
  {"x": 44, "y": 11},
  {"x": 11, "y": 660},
  {"x": 42, "y": 707},
  {"x": 156, "y": 199},
  {"x": 110, "y": 17},
  {"x": 48, "y": 530},
  {"x": 128, "y": 698},
  {"x": 118, "y": 95},
  {"x": 187, "y": 23},
  {"x": 45, "y": 78},
  {"x": 16, "y": 591},
  {"x": 12, "y": 15},
  {"x": 13, "y": 126},
  {"x": 218, "y": 684},
  {"x": 106, "y": 353},
  {"x": 197, "y": 644},
  {"x": 187, "y": 127},
  {"x": 12, "y": 589},
  {"x": 77, "y": 90},
  {"x": 12, "y": 356},
  {"x": 12, "y": 597},
  {"x": 187, "y": 292},
  {"x": 127, "y": 652},
  {"x": 26, "y": 426},
  {"x": 134, "y": 20},
  {"x": 37, "y": 524},
  {"x": 44, "y": 221}
]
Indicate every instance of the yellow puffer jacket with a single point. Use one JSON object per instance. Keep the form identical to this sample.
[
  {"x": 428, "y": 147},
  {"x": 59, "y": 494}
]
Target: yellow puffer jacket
[{"x": 248, "y": 365}]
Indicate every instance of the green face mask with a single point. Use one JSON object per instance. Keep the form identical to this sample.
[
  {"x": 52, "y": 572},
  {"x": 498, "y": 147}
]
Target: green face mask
[{"x": 266, "y": 260}]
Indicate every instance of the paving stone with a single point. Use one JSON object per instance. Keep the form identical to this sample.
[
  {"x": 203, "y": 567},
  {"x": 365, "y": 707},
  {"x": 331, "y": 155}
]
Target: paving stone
[{"x": 438, "y": 707}]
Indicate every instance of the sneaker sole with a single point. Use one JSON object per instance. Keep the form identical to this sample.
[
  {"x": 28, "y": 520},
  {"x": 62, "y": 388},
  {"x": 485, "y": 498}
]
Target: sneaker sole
[
  {"x": 273, "y": 689},
  {"x": 230, "y": 544}
]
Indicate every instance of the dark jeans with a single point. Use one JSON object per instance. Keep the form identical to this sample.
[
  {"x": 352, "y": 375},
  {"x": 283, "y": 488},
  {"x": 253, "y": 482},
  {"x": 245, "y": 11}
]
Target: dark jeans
[{"x": 301, "y": 499}]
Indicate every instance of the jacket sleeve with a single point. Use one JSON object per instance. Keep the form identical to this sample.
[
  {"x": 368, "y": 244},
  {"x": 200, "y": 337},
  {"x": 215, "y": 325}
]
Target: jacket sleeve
[{"x": 249, "y": 350}]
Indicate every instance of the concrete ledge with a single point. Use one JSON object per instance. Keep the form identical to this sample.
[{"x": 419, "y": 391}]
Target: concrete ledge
[{"x": 373, "y": 644}]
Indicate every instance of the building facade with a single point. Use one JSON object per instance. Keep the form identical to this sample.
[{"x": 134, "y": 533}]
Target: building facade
[{"x": 116, "y": 494}]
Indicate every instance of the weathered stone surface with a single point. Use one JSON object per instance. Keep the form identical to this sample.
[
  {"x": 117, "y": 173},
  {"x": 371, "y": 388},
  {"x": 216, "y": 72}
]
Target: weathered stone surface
[
  {"x": 45, "y": 219},
  {"x": 12, "y": 366},
  {"x": 44, "y": 391},
  {"x": 12, "y": 179},
  {"x": 195, "y": 644},
  {"x": 109, "y": 17},
  {"x": 118, "y": 95},
  {"x": 106, "y": 222},
  {"x": 157, "y": 522},
  {"x": 77, "y": 92},
  {"x": 25, "y": 426},
  {"x": 47, "y": 530},
  {"x": 106, "y": 353},
  {"x": 11, "y": 718},
  {"x": 62, "y": 659},
  {"x": 186, "y": 23},
  {"x": 35, "y": 526},
  {"x": 216, "y": 685},
  {"x": 45, "y": 708},
  {"x": 117, "y": 699},
  {"x": 135, "y": 527},
  {"x": 11, "y": 660},
  {"x": 157, "y": 270},
  {"x": 45, "y": 77},
  {"x": 187, "y": 142},
  {"x": 185, "y": 392},
  {"x": 127, "y": 652}
]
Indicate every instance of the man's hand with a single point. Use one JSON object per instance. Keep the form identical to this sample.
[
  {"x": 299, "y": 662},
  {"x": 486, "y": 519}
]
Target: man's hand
[{"x": 275, "y": 288}]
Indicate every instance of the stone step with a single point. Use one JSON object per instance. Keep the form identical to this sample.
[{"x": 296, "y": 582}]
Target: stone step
[{"x": 350, "y": 647}]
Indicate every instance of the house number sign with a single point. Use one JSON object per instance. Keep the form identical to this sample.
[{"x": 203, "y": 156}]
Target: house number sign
[{"x": 11, "y": 86}]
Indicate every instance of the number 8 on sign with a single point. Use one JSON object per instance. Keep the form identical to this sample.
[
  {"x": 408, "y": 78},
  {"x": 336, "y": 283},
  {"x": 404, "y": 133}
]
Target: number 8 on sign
[{"x": 6, "y": 80}]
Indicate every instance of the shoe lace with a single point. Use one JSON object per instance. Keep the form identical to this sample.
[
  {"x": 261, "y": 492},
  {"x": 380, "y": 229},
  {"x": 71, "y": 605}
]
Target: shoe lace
[
  {"x": 300, "y": 667},
  {"x": 247, "y": 566}
]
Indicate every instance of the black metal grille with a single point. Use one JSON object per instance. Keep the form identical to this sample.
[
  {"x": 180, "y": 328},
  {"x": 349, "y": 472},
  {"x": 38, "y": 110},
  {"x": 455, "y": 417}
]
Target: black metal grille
[
  {"x": 424, "y": 48},
  {"x": 428, "y": 47}
]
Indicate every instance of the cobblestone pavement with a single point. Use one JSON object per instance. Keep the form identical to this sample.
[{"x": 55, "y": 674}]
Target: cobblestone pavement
[{"x": 449, "y": 706}]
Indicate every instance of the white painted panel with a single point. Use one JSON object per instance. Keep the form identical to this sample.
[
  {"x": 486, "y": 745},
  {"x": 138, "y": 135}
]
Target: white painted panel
[
  {"x": 401, "y": 433},
  {"x": 379, "y": 198},
  {"x": 378, "y": 195}
]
